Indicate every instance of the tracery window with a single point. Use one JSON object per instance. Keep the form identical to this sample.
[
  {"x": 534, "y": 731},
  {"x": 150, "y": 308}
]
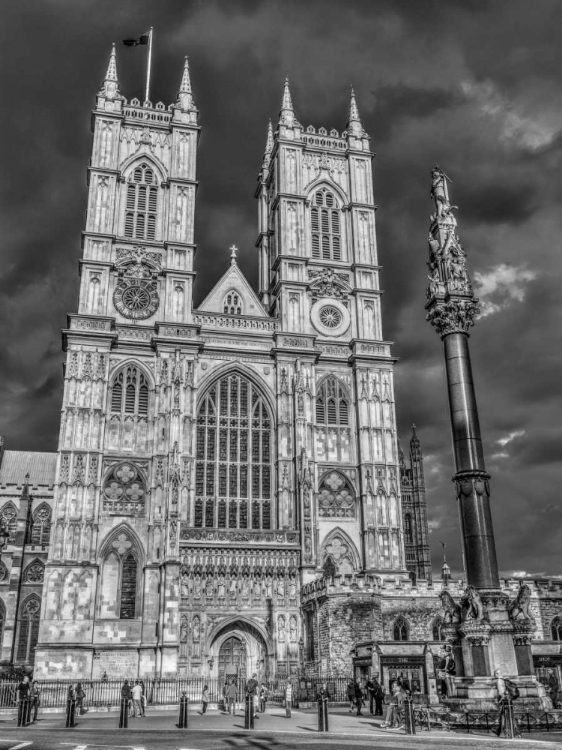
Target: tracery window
[
  {"x": 124, "y": 491},
  {"x": 28, "y": 633},
  {"x": 556, "y": 629},
  {"x": 142, "y": 204},
  {"x": 325, "y": 226},
  {"x": 34, "y": 573},
  {"x": 408, "y": 536},
  {"x": 401, "y": 630},
  {"x": 336, "y": 497},
  {"x": 233, "y": 465},
  {"x": 130, "y": 392},
  {"x": 437, "y": 629},
  {"x": 232, "y": 303},
  {"x": 9, "y": 519},
  {"x": 41, "y": 526},
  {"x": 332, "y": 420}
]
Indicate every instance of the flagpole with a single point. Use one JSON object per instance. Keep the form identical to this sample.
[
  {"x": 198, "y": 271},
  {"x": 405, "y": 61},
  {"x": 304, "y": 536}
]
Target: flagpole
[{"x": 149, "y": 65}]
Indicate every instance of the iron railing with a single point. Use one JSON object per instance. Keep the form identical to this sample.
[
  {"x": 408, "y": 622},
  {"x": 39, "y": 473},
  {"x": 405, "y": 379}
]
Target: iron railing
[{"x": 434, "y": 717}]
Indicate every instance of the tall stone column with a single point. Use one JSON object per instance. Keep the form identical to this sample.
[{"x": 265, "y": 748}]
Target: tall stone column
[{"x": 492, "y": 631}]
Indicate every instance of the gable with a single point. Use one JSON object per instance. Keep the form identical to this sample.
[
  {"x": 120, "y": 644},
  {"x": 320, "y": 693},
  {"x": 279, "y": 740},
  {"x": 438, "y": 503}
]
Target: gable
[{"x": 233, "y": 280}]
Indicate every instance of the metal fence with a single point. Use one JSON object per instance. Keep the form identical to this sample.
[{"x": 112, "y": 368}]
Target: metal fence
[
  {"x": 163, "y": 692},
  {"x": 428, "y": 717}
]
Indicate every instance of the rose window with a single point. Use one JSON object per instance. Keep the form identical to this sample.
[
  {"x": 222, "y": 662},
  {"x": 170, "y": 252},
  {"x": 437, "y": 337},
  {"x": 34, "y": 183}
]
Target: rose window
[
  {"x": 124, "y": 491},
  {"x": 136, "y": 298},
  {"x": 336, "y": 497},
  {"x": 330, "y": 316}
]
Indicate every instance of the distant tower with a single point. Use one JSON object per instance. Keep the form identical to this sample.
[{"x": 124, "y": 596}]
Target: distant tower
[{"x": 414, "y": 508}]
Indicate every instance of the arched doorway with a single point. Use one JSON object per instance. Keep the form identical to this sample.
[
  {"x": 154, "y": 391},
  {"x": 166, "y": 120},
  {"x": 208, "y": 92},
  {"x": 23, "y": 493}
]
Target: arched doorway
[{"x": 232, "y": 659}]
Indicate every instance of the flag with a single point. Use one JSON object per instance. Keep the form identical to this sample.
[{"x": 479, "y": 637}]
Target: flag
[{"x": 135, "y": 42}]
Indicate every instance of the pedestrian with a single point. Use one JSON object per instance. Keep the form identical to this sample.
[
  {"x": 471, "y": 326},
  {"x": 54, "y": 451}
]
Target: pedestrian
[
  {"x": 143, "y": 700},
  {"x": 263, "y": 697},
  {"x": 35, "y": 698},
  {"x": 351, "y": 695},
  {"x": 288, "y": 699},
  {"x": 137, "y": 699},
  {"x": 23, "y": 689},
  {"x": 252, "y": 691},
  {"x": 400, "y": 696},
  {"x": 204, "y": 700},
  {"x": 104, "y": 677},
  {"x": 391, "y": 716},
  {"x": 507, "y": 691},
  {"x": 126, "y": 696},
  {"x": 80, "y": 695},
  {"x": 358, "y": 697},
  {"x": 230, "y": 696},
  {"x": 378, "y": 695},
  {"x": 370, "y": 688}
]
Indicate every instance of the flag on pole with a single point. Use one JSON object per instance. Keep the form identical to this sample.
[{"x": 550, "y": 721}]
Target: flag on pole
[{"x": 135, "y": 42}]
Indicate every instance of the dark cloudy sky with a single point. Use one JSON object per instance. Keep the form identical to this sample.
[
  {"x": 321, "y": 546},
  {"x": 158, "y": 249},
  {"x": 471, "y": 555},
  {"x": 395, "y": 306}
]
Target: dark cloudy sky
[{"x": 475, "y": 86}]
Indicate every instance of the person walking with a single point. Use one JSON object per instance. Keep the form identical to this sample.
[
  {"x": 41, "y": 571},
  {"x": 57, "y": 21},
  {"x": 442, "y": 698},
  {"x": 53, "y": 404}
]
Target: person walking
[
  {"x": 288, "y": 699},
  {"x": 263, "y": 697},
  {"x": 204, "y": 700},
  {"x": 252, "y": 690},
  {"x": 137, "y": 699},
  {"x": 230, "y": 697},
  {"x": 358, "y": 697},
  {"x": 143, "y": 699},
  {"x": 507, "y": 691},
  {"x": 351, "y": 695},
  {"x": 35, "y": 695},
  {"x": 378, "y": 694},
  {"x": 80, "y": 695},
  {"x": 126, "y": 696}
]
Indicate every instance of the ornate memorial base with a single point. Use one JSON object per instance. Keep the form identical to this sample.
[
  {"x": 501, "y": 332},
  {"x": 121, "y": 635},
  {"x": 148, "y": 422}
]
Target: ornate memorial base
[{"x": 480, "y": 694}]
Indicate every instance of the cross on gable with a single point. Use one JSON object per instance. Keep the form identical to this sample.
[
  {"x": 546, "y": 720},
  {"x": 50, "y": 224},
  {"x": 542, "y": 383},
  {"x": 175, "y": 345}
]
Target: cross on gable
[{"x": 233, "y": 253}]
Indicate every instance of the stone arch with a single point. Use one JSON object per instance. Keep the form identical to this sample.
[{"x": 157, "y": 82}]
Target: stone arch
[
  {"x": 34, "y": 572},
  {"x": 240, "y": 368},
  {"x": 9, "y": 515},
  {"x": 123, "y": 528},
  {"x": 28, "y": 629},
  {"x": 322, "y": 182},
  {"x": 342, "y": 550},
  {"x": 121, "y": 559},
  {"x": 131, "y": 163},
  {"x": 258, "y": 644},
  {"x": 133, "y": 362},
  {"x": 336, "y": 496}
]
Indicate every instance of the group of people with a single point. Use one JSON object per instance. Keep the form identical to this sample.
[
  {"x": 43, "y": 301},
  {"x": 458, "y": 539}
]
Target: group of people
[
  {"x": 259, "y": 696},
  {"x": 373, "y": 691},
  {"x": 135, "y": 697},
  {"x": 27, "y": 690}
]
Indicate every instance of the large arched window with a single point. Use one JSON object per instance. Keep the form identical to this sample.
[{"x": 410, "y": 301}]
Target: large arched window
[
  {"x": 233, "y": 469},
  {"x": 401, "y": 630},
  {"x": 41, "y": 525},
  {"x": 9, "y": 519},
  {"x": 28, "y": 632},
  {"x": 130, "y": 392},
  {"x": 119, "y": 593},
  {"x": 336, "y": 497},
  {"x": 332, "y": 420},
  {"x": 142, "y": 204},
  {"x": 325, "y": 224},
  {"x": 556, "y": 629}
]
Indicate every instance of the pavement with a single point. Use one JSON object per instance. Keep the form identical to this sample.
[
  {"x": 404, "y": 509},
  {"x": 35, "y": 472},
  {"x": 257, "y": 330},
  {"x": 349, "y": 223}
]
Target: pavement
[{"x": 218, "y": 730}]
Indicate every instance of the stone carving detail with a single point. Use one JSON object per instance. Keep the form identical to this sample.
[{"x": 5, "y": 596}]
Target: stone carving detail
[
  {"x": 124, "y": 491},
  {"x": 455, "y": 316},
  {"x": 518, "y": 610},
  {"x": 136, "y": 293},
  {"x": 453, "y": 611},
  {"x": 473, "y": 608},
  {"x": 328, "y": 283},
  {"x": 34, "y": 573},
  {"x": 281, "y": 629}
]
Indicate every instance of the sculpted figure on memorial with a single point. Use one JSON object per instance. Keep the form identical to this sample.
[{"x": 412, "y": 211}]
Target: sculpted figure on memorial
[
  {"x": 519, "y": 608},
  {"x": 440, "y": 194},
  {"x": 453, "y": 611},
  {"x": 472, "y": 604}
]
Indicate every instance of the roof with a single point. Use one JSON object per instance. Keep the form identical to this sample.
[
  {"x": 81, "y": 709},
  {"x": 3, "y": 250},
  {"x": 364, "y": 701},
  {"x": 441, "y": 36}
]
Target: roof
[
  {"x": 235, "y": 280},
  {"x": 41, "y": 468}
]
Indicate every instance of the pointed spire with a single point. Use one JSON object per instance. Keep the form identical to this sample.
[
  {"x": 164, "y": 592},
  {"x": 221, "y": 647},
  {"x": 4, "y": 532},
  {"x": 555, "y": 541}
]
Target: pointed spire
[
  {"x": 401, "y": 458},
  {"x": 445, "y": 569},
  {"x": 287, "y": 113},
  {"x": 185, "y": 95},
  {"x": 354, "y": 124},
  {"x": 415, "y": 445},
  {"x": 110, "y": 86},
  {"x": 268, "y": 146}
]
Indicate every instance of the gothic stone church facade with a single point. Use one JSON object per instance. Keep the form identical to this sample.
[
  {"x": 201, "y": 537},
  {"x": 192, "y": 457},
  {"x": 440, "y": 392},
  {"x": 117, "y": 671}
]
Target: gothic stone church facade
[{"x": 214, "y": 461}]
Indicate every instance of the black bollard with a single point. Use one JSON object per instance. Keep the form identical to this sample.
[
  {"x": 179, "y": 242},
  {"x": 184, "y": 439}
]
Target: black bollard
[
  {"x": 249, "y": 712},
  {"x": 70, "y": 707},
  {"x": 323, "y": 714},
  {"x": 124, "y": 714},
  {"x": 183, "y": 711},
  {"x": 22, "y": 712},
  {"x": 409, "y": 718},
  {"x": 29, "y": 707}
]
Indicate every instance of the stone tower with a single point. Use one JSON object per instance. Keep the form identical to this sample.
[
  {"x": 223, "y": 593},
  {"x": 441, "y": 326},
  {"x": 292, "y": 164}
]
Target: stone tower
[{"x": 414, "y": 508}]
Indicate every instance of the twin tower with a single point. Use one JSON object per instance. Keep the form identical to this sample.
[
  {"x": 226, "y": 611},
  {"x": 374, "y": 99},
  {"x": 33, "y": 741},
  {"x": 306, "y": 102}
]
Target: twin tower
[{"x": 213, "y": 461}]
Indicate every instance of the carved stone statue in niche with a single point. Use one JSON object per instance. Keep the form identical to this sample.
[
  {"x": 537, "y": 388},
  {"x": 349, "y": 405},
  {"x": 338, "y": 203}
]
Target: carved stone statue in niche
[{"x": 293, "y": 628}]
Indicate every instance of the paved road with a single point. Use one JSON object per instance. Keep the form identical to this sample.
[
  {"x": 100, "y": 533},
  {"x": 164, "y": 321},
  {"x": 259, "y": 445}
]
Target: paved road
[{"x": 54, "y": 738}]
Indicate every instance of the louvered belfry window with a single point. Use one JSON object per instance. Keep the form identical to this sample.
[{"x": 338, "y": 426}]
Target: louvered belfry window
[
  {"x": 331, "y": 404},
  {"x": 333, "y": 435},
  {"x": 325, "y": 226},
  {"x": 233, "y": 469},
  {"x": 142, "y": 204},
  {"x": 130, "y": 392}
]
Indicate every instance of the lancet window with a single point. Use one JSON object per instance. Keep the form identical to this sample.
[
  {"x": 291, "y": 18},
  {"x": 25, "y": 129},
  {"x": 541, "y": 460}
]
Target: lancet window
[
  {"x": 332, "y": 420},
  {"x": 130, "y": 392},
  {"x": 41, "y": 526},
  {"x": 141, "y": 204},
  {"x": 129, "y": 402},
  {"x": 28, "y": 633},
  {"x": 232, "y": 304},
  {"x": 408, "y": 535},
  {"x": 556, "y": 629},
  {"x": 437, "y": 629},
  {"x": 325, "y": 224},
  {"x": 401, "y": 630},
  {"x": 9, "y": 519},
  {"x": 119, "y": 594},
  {"x": 233, "y": 468}
]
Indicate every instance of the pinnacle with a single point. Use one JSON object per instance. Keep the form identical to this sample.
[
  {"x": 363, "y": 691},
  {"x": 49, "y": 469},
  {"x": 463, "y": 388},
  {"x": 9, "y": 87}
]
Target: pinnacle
[
  {"x": 111, "y": 74},
  {"x": 110, "y": 85},
  {"x": 269, "y": 141},
  {"x": 185, "y": 96},
  {"x": 354, "y": 124},
  {"x": 287, "y": 113}
]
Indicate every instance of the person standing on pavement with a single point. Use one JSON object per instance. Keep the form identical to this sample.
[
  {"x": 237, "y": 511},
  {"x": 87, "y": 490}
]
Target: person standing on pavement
[
  {"x": 126, "y": 696},
  {"x": 35, "y": 698},
  {"x": 204, "y": 700},
  {"x": 137, "y": 699},
  {"x": 351, "y": 695},
  {"x": 230, "y": 697},
  {"x": 288, "y": 699},
  {"x": 370, "y": 688},
  {"x": 252, "y": 690},
  {"x": 263, "y": 697},
  {"x": 80, "y": 695},
  {"x": 358, "y": 697},
  {"x": 143, "y": 699},
  {"x": 378, "y": 695}
]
